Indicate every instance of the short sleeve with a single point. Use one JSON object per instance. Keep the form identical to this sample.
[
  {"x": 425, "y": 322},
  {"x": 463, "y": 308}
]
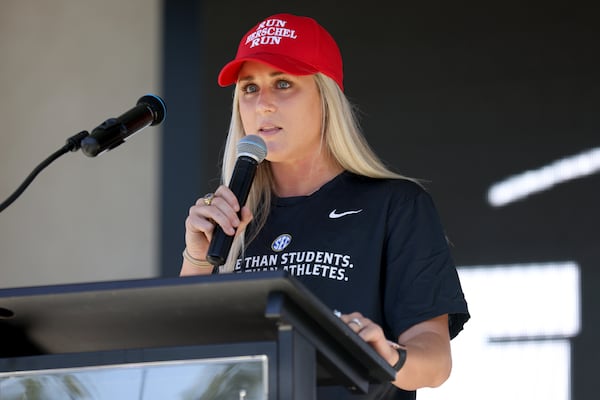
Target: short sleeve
[{"x": 421, "y": 279}]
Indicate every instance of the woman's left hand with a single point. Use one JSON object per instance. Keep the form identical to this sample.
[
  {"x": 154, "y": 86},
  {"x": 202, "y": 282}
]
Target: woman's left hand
[
  {"x": 429, "y": 360},
  {"x": 371, "y": 333}
]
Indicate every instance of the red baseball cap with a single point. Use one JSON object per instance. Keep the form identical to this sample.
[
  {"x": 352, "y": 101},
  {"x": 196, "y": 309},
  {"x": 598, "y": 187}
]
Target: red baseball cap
[{"x": 294, "y": 44}]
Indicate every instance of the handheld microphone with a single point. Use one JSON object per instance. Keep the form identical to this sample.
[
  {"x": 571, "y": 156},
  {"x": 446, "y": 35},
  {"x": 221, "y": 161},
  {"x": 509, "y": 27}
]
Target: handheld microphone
[
  {"x": 251, "y": 151},
  {"x": 150, "y": 110}
]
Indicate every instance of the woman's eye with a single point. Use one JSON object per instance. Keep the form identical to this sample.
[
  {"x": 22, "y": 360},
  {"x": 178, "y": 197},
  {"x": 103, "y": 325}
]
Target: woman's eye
[
  {"x": 249, "y": 88},
  {"x": 283, "y": 84}
]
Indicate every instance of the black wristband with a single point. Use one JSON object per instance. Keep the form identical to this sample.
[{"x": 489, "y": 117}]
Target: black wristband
[{"x": 402, "y": 358}]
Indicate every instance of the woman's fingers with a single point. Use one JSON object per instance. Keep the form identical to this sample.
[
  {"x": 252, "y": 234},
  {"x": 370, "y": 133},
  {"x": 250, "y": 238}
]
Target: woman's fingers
[
  {"x": 218, "y": 208},
  {"x": 368, "y": 330},
  {"x": 222, "y": 212}
]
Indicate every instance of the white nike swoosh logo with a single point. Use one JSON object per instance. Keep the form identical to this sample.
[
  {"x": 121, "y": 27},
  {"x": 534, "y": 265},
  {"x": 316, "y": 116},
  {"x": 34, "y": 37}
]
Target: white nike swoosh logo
[{"x": 334, "y": 213}]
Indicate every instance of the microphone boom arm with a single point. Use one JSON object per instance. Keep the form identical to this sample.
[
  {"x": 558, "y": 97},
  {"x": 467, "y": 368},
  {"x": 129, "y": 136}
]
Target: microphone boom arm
[
  {"x": 73, "y": 144},
  {"x": 149, "y": 110}
]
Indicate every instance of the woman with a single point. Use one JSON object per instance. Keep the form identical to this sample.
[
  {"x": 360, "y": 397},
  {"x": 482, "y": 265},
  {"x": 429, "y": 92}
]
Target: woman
[{"x": 364, "y": 239}]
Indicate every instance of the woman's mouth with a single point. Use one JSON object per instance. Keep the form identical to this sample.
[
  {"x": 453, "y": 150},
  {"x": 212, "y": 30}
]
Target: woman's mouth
[{"x": 269, "y": 130}]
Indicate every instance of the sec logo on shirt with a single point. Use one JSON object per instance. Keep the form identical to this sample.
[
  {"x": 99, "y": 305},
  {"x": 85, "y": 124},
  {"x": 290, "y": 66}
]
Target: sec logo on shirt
[{"x": 281, "y": 242}]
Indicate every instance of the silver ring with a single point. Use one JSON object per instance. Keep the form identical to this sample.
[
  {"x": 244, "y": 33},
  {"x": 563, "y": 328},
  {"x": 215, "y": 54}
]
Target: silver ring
[{"x": 357, "y": 322}]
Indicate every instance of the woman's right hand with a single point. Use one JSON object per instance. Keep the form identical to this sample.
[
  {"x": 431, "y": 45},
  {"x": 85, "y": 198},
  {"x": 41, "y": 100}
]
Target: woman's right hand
[{"x": 219, "y": 208}]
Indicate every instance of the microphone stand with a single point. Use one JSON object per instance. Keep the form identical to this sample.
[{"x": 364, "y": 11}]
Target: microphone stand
[{"x": 73, "y": 144}]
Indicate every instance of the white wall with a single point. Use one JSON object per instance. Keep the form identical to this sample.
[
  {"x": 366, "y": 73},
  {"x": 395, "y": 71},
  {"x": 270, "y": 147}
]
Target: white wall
[{"x": 66, "y": 66}]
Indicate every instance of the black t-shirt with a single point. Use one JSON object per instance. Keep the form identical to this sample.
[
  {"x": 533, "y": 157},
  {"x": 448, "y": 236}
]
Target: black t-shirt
[{"x": 370, "y": 245}]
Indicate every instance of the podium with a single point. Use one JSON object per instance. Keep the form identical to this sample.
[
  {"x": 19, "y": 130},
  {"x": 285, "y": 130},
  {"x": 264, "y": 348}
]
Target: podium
[{"x": 255, "y": 335}]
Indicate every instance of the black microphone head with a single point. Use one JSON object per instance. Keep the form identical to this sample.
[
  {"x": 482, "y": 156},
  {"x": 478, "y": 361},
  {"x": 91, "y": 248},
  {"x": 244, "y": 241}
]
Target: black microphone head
[
  {"x": 156, "y": 105},
  {"x": 252, "y": 146}
]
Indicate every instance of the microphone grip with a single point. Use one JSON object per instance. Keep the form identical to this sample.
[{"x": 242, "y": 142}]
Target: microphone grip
[{"x": 240, "y": 183}]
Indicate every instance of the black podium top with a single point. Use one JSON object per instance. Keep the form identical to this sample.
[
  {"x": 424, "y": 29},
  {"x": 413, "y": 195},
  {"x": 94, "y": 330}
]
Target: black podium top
[{"x": 151, "y": 313}]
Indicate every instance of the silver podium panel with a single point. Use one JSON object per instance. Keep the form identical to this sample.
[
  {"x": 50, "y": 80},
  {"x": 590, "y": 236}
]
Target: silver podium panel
[{"x": 235, "y": 378}]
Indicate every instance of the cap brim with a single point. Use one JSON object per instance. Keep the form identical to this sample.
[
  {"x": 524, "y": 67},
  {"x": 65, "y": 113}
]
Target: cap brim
[{"x": 229, "y": 73}]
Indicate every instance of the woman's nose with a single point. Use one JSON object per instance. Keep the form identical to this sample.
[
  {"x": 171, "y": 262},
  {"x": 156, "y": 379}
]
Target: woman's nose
[{"x": 266, "y": 102}]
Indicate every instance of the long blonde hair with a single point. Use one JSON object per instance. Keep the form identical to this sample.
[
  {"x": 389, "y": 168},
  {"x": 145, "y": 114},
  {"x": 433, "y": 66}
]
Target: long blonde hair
[{"x": 343, "y": 140}]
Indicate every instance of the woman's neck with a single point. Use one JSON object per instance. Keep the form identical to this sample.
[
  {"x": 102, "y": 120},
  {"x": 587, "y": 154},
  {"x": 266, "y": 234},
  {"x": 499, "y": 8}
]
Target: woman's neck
[{"x": 303, "y": 179}]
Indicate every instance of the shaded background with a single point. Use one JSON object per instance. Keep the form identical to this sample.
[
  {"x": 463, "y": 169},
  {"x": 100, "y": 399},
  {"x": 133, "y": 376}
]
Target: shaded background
[{"x": 458, "y": 94}]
